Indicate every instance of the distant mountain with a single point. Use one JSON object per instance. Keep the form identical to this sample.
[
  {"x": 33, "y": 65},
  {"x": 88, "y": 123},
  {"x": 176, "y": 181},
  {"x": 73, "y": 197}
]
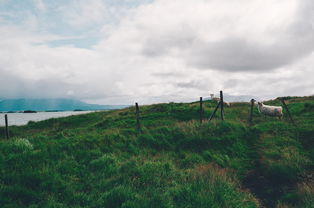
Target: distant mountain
[{"x": 51, "y": 105}]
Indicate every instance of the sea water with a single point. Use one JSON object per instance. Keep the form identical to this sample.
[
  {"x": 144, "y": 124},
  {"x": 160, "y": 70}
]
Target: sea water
[{"x": 19, "y": 119}]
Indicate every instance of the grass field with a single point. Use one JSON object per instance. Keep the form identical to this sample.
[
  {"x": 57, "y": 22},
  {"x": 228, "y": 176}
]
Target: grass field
[{"x": 100, "y": 160}]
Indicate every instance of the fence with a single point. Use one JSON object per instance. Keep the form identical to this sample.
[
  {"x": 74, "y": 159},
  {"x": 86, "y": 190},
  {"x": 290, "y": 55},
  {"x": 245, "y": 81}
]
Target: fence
[{"x": 220, "y": 104}]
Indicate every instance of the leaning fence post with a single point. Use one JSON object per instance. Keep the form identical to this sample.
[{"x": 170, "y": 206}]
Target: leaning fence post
[
  {"x": 137, "y": 113},
  {"x": 6, "y": 126},
  {"x": 222, "y": 105},
  {"x": 213, "y": 113},
  {"x": 286, "y": 107},
  {"x": 251, "y": 112},
  {"x": 201, "y": 109}
]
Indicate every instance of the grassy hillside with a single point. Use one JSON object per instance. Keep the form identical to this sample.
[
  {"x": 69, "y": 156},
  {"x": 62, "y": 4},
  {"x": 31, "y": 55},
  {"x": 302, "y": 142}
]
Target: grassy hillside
[{"x": 100, "y": 160}]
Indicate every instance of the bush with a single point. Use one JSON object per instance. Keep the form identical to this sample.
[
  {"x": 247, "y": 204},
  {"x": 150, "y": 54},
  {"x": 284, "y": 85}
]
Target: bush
[{"x": 19, "y": 146}]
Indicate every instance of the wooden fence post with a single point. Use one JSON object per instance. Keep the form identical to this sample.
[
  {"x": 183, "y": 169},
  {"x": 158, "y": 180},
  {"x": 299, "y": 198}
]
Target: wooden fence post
[
  {"x": 286, "y": 108},
  {"x": 201, "y": 109},
  {"x": 213, "y": 113},
  {"x": 6, "y": 126},
  {"x": 222, "y": 105},
  {"x": 137, "y": 113},
  {"x": 251, "y": 111}
]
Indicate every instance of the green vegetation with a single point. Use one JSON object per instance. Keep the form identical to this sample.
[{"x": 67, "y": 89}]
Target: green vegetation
[{"x": 100, "y": 160}]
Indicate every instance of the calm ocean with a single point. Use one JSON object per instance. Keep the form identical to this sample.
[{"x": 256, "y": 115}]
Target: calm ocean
[{"x": 23, "y": 118}]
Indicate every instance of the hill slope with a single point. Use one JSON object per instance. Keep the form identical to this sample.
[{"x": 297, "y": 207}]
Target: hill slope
[
  {"x": 100, "y": 160},
  {"x": 51, "y": 105}
]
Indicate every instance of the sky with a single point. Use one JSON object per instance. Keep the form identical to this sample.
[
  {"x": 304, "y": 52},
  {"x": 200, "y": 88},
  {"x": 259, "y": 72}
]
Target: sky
[{"x": 151, "y": 51}]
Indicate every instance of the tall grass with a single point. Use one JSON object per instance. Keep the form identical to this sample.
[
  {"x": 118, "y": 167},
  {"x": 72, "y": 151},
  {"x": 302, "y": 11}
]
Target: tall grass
[{"x": 100, "y": 160}]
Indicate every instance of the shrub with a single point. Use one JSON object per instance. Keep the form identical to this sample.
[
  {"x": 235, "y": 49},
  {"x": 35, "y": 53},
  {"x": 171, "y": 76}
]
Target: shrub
[{"x": 19, "y": 145}]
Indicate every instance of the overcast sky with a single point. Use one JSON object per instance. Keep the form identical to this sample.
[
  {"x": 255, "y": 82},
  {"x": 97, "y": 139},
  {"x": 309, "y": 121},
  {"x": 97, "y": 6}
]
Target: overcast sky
[{"x": 149, "y": 51}]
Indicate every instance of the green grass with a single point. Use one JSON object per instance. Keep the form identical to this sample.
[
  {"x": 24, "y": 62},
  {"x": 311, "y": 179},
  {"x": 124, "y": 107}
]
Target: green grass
[{"x": 100, "y": 160}]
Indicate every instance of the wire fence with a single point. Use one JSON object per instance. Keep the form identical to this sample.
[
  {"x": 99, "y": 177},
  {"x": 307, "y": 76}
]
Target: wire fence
[{"x": 22, "y": 118}]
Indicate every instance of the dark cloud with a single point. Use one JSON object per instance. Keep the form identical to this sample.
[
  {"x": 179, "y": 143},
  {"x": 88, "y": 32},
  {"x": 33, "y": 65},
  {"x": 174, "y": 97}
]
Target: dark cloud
[
  {"x": 17, "y": 87},
  {"x": 238, "y": 53},
  {"x": 234, "y": 54}
]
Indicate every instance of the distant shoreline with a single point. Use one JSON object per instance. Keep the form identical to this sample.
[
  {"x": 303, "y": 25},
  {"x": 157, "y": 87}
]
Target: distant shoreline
[
  {"x": 52, "y": 111},
  {"x": 21, "y": 118}
]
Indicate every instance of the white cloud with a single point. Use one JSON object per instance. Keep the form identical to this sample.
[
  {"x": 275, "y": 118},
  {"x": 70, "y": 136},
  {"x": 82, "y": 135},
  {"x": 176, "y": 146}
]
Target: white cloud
[
  {"x": 222, "y": 34},
  {"x": 168, "y": 51},
  {"x": 257, "y": 38}
]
